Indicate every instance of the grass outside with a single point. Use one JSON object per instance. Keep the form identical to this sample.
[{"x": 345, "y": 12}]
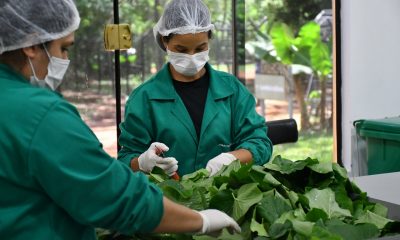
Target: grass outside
[{"x": 317, "y": 145}]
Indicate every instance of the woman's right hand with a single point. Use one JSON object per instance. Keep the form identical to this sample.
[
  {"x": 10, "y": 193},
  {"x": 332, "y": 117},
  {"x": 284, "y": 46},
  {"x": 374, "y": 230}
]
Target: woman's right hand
[
  {"x": 151, "y": 158},
  {"x": 214, "y": 221}
]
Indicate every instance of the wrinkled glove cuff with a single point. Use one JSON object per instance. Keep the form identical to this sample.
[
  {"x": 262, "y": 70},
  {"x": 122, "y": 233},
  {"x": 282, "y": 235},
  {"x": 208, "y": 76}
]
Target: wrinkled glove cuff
[
  {"x": 206, "y": 224},
  {"x": 140, "y": 164},
  {"x": 229, "y": 156}
]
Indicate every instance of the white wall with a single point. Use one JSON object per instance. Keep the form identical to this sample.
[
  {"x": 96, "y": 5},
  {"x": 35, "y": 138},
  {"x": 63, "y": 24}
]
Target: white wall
[{"x": 370, "y": 63}]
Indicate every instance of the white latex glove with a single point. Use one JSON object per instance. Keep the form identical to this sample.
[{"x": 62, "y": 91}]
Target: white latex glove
[
  {"x": 169, "y": 165},
  {"x": 151, "y": 158},
  {"x": 214, "y": 221},
  {"x": 215, "y": 164}
]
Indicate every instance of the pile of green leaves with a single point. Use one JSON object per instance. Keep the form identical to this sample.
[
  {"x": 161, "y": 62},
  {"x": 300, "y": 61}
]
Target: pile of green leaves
[{"x": 283, "y": 199}]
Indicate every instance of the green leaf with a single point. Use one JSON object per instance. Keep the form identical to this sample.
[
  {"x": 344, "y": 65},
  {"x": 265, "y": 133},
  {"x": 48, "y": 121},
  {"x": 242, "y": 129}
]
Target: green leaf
[
  {"x": 293, "y": 197},
  {"x": 370, "y": 217},
  {"x": 269, "y": 179},
  {"x": 319, "y": 180},
  {"x": 353, "y": 232},
  {"x": 278, "y": 230},
  {"x": 287, "y": 166},
  {"x": 225, "y": 235},
  {"x": 325, "y": 200},
  {"x": 322, "y": 167},
  {"x": 309, "y": 34},
  {"x": 246, "y": 232},
  {"x": 241, "y": 176},
  {"x": 380, "y": 210},
  {"x": 265, "y": 179},
  {"x": 247, "y": 196},
  {"x": 160, "y": 172},
  {"x": 195, "y": 176},
  {"x": 342, "y": 198},
  {"x": 257, "y": 227},
  {"x": 223, "y": 201},
  {"x": 391, "y": 228},
  {"x": 122, "y": 58},
  {"x": 156, "y": 178},
  {"x": 303, "y": 227},
  {"x": 175, "y": 191},
  {"x": 282, "y": 38},
  {"x": 321, "y": 233},
  {"x": 132, "y": 58},
  {"x": 272, "y": 206},
  {"x": 198, "y": 200},
  {"x": 224, "y": 175},
  {"x": 316, "y": 214},
  {"x": 321, "y": 58},
  {"x": 226, "y": 170}
]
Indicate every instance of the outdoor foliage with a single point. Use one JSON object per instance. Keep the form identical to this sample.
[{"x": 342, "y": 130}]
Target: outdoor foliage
[
  {"x": 305, "y": 146},
  {"x": 306, "y": 49},
  {"x": 283, "y": 199},
  {"x": 92, "y": 65}
]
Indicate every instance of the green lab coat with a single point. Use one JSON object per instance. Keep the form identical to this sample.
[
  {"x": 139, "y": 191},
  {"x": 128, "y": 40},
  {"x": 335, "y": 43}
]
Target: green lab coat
[
  {"x": 155, "y": 113},
  {"x": 56, "y": 182}
]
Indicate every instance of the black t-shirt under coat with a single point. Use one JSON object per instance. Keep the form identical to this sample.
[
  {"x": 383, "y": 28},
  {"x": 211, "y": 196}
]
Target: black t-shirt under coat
[{"x": 194, "y": 95}]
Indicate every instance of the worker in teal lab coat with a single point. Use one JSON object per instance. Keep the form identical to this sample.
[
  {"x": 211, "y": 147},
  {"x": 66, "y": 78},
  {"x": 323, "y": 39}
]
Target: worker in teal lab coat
[
  {"x": 56, "y": 182},
  {"x": 197, "y": 116}
]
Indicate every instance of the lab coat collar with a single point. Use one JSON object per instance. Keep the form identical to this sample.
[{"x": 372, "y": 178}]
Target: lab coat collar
[{"x": 164, "y": 88}]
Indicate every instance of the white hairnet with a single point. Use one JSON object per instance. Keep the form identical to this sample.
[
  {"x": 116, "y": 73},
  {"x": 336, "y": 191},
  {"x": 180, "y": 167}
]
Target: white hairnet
[
  {"x": 183, "y": 17},
  {"x": 25, "y": 23}
]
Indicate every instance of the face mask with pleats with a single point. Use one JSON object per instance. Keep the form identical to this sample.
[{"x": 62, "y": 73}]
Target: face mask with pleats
[
  {"x": 187, "y": 64},
  {"x": 55, "y": 72}
]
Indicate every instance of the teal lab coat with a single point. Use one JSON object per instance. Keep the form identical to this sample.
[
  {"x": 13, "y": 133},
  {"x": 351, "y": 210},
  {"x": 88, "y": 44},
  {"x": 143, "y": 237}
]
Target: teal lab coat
[
  {"x": 155, "y": 113},
  {"x": 56, "y": 182}
]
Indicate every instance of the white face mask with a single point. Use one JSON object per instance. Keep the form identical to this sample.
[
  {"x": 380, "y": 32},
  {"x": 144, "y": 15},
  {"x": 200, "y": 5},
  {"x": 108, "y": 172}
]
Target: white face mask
[
  {"x": 55, "y": 72},
  {"x": 187, "y": 64}
]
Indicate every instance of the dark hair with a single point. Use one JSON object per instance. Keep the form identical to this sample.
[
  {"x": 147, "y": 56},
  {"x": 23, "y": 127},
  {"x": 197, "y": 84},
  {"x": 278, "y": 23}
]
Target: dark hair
[
  {"x": 13, "y": 58},
  {"x": 17, "y": 56},
  {"x": 47, "y": 44},
  {"x": 170, "y": 36}
]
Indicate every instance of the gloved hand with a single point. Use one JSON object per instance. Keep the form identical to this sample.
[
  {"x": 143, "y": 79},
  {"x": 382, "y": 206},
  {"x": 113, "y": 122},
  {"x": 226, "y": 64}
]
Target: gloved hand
[
  {"x": 169, "y": 165},
  {"x": 215, "y": 164},
  {"x": 151, "y": 158},
  {"x": 214, "y": 221}
]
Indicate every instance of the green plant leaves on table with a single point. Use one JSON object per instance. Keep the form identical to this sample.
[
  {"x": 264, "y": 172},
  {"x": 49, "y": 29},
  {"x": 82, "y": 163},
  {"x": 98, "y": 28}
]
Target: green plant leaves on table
[
  {"x": 325, "y": 200},
  {"x": 272, "y": 206},
  {"x": 283, "y": 199},
  {"x": 247, "y": 196}
]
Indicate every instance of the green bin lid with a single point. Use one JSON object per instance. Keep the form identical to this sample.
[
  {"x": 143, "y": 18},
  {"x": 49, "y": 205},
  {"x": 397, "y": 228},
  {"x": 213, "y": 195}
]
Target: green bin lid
[{"x": 387, "y": 128}]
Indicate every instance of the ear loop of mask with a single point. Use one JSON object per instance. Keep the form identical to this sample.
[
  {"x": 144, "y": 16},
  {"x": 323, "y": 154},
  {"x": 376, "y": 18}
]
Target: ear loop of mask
[
  {"x": 34, "y": 80},
  {"x": 30, "y": 62},
  {"x": 47, "y": 52},
  {"x": 32, "y": 68}
]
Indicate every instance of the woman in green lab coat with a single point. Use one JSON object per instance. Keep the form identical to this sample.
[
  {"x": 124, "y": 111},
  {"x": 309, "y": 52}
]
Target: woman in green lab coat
[
  {"x": 56, "y": 182},
  {"x": 197, "y": 116}
]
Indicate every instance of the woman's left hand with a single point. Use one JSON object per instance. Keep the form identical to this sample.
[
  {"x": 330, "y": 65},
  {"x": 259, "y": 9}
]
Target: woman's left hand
[{"x": 215, "y": 164}]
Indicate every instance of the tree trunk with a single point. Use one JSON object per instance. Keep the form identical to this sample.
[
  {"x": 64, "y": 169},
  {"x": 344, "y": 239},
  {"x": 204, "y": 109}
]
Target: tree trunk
[
  {"x": 76, "y": 65},
  {"x": 141, "y": 56},
  {"x": 305, "y": 121},
  {"x": 159, "y": 54},
  {"x": 99, "y": 71},
  {"x": 111, "y": 72},
  {"x": 127, "y": 73},
  {"x": 323, "y": 103}
]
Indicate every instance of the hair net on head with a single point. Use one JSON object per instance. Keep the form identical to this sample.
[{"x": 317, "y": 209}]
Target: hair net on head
[
  {"x": 26, "y": 23},
  {"x": 183, "y": 17}
]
